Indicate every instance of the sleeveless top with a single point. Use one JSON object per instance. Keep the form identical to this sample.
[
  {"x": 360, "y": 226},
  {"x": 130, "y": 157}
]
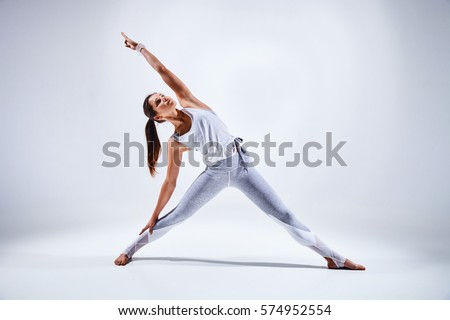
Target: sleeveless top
[{"x": 208, "y": 134}]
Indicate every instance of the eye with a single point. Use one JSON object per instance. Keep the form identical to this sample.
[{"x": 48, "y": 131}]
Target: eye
[{"x": 158, "y": 101}]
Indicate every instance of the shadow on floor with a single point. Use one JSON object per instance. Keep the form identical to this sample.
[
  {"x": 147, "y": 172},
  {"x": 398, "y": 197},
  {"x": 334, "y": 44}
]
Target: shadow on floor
[{"x": 233, "y": 263}]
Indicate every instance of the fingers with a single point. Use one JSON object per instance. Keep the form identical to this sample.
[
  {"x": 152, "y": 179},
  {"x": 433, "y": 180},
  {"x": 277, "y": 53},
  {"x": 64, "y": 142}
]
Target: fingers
[
  {"x": 127, "y": 40},
  {"x": 143, "y": 230},
  {"x": 151, "y": 227}
]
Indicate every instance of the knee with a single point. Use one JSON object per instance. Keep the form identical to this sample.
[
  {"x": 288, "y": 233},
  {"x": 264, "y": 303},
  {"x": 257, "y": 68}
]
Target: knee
[
  {"x": 174, "y": 217},
  {"x": 285, "y": 216}
]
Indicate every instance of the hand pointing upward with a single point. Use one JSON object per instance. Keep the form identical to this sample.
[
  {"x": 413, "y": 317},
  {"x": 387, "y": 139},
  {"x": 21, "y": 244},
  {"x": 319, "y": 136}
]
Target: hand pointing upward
[{"x": 129, "y": 43}]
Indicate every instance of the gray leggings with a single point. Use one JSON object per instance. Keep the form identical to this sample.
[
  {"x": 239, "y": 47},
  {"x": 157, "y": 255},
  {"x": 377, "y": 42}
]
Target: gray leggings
[{"x": 234, "y": 172}]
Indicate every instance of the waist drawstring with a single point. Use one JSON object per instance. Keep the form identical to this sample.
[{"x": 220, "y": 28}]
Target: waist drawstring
[{"x": 240, "y": 150}]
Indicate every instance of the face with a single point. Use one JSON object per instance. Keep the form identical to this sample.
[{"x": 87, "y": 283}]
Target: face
[{"x": 161, "y": 104}]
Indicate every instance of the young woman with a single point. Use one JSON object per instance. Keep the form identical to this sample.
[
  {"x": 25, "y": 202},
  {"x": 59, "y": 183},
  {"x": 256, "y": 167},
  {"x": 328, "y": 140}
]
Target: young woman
[{"x": 198, "y": 127}]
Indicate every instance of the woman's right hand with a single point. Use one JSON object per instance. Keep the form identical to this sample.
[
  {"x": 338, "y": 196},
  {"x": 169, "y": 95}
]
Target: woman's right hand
[
  {"x": 151, "y": 223},
  {"x": 129, "y": 43}
]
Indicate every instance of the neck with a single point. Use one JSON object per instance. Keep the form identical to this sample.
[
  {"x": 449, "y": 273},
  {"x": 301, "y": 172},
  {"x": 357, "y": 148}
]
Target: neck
[{"x": 178, "y": 118}]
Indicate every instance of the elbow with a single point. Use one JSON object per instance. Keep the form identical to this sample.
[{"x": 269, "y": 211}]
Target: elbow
[
  {"x": 170, "y": 183},
  {"x": 160, "y": 68}
]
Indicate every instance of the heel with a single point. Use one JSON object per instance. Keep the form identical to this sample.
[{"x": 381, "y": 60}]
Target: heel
[{"x": 339, "y": 262}]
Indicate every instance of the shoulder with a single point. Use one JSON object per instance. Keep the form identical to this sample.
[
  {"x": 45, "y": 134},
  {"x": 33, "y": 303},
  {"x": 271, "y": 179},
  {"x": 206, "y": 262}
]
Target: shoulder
[
  {"x": 193, "y": 103},
  {"x": 194, "y": 109},
  {"x": 198, "y": 110},
  {"x": 174, "y": 145}
]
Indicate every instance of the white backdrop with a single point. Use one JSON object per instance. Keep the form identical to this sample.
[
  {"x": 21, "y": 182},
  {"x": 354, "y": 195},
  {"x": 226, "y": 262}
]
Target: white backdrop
[{"x": 374, "y": 73}]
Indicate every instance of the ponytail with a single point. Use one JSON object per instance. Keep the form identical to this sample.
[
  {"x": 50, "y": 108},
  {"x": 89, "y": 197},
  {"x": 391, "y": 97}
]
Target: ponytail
[
  {"x": 153, "y": 146},
  {"x": 153, "y": 143}
]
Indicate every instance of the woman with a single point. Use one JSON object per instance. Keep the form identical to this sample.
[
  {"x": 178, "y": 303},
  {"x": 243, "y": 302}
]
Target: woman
[{"x": 198, "y": 127}]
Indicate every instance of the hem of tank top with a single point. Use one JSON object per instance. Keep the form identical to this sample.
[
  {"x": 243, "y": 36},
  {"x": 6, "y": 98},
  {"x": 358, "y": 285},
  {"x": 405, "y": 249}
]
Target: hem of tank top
[{"x": 230, "y": 156}]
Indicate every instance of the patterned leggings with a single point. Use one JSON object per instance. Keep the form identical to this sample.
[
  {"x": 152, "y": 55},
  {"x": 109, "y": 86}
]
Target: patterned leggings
[{"x": 233, "y": 172}]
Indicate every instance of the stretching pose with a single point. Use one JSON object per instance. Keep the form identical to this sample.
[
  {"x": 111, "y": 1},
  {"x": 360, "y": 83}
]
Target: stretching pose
[{"x": 198, "y": 127}]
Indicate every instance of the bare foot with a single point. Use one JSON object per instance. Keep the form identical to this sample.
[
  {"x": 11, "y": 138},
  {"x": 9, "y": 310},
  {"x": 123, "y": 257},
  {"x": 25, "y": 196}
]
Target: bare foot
[
  {"x": 122, "y": 260},
  {"x": 348, "y": 264}
]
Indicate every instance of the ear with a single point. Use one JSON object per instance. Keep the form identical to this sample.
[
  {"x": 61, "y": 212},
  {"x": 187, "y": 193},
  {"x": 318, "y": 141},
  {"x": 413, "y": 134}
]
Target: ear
[{"x": 157, "y": 118}]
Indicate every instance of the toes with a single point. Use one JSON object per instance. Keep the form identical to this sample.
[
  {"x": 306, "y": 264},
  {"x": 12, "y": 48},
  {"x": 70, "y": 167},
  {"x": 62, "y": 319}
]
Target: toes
[
  {"x": 355, "y": 266},
  {"x": 120, "y": 261}
]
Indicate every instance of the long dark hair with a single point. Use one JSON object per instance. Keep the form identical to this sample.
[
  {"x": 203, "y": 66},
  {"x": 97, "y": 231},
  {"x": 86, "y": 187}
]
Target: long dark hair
[{"x": 153, "y": 144}]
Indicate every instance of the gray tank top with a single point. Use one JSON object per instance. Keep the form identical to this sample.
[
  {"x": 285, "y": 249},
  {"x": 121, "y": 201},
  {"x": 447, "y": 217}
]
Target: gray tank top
[{"x": 208, "y": 134}]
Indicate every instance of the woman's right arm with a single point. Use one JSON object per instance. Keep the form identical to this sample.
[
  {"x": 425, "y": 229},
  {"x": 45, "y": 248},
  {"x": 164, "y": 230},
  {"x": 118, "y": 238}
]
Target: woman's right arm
[{"x": 175, "y": 153}]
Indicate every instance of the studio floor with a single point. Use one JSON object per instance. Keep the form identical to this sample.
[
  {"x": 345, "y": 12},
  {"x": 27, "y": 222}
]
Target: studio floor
[{"x": 197, "y": 261}]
